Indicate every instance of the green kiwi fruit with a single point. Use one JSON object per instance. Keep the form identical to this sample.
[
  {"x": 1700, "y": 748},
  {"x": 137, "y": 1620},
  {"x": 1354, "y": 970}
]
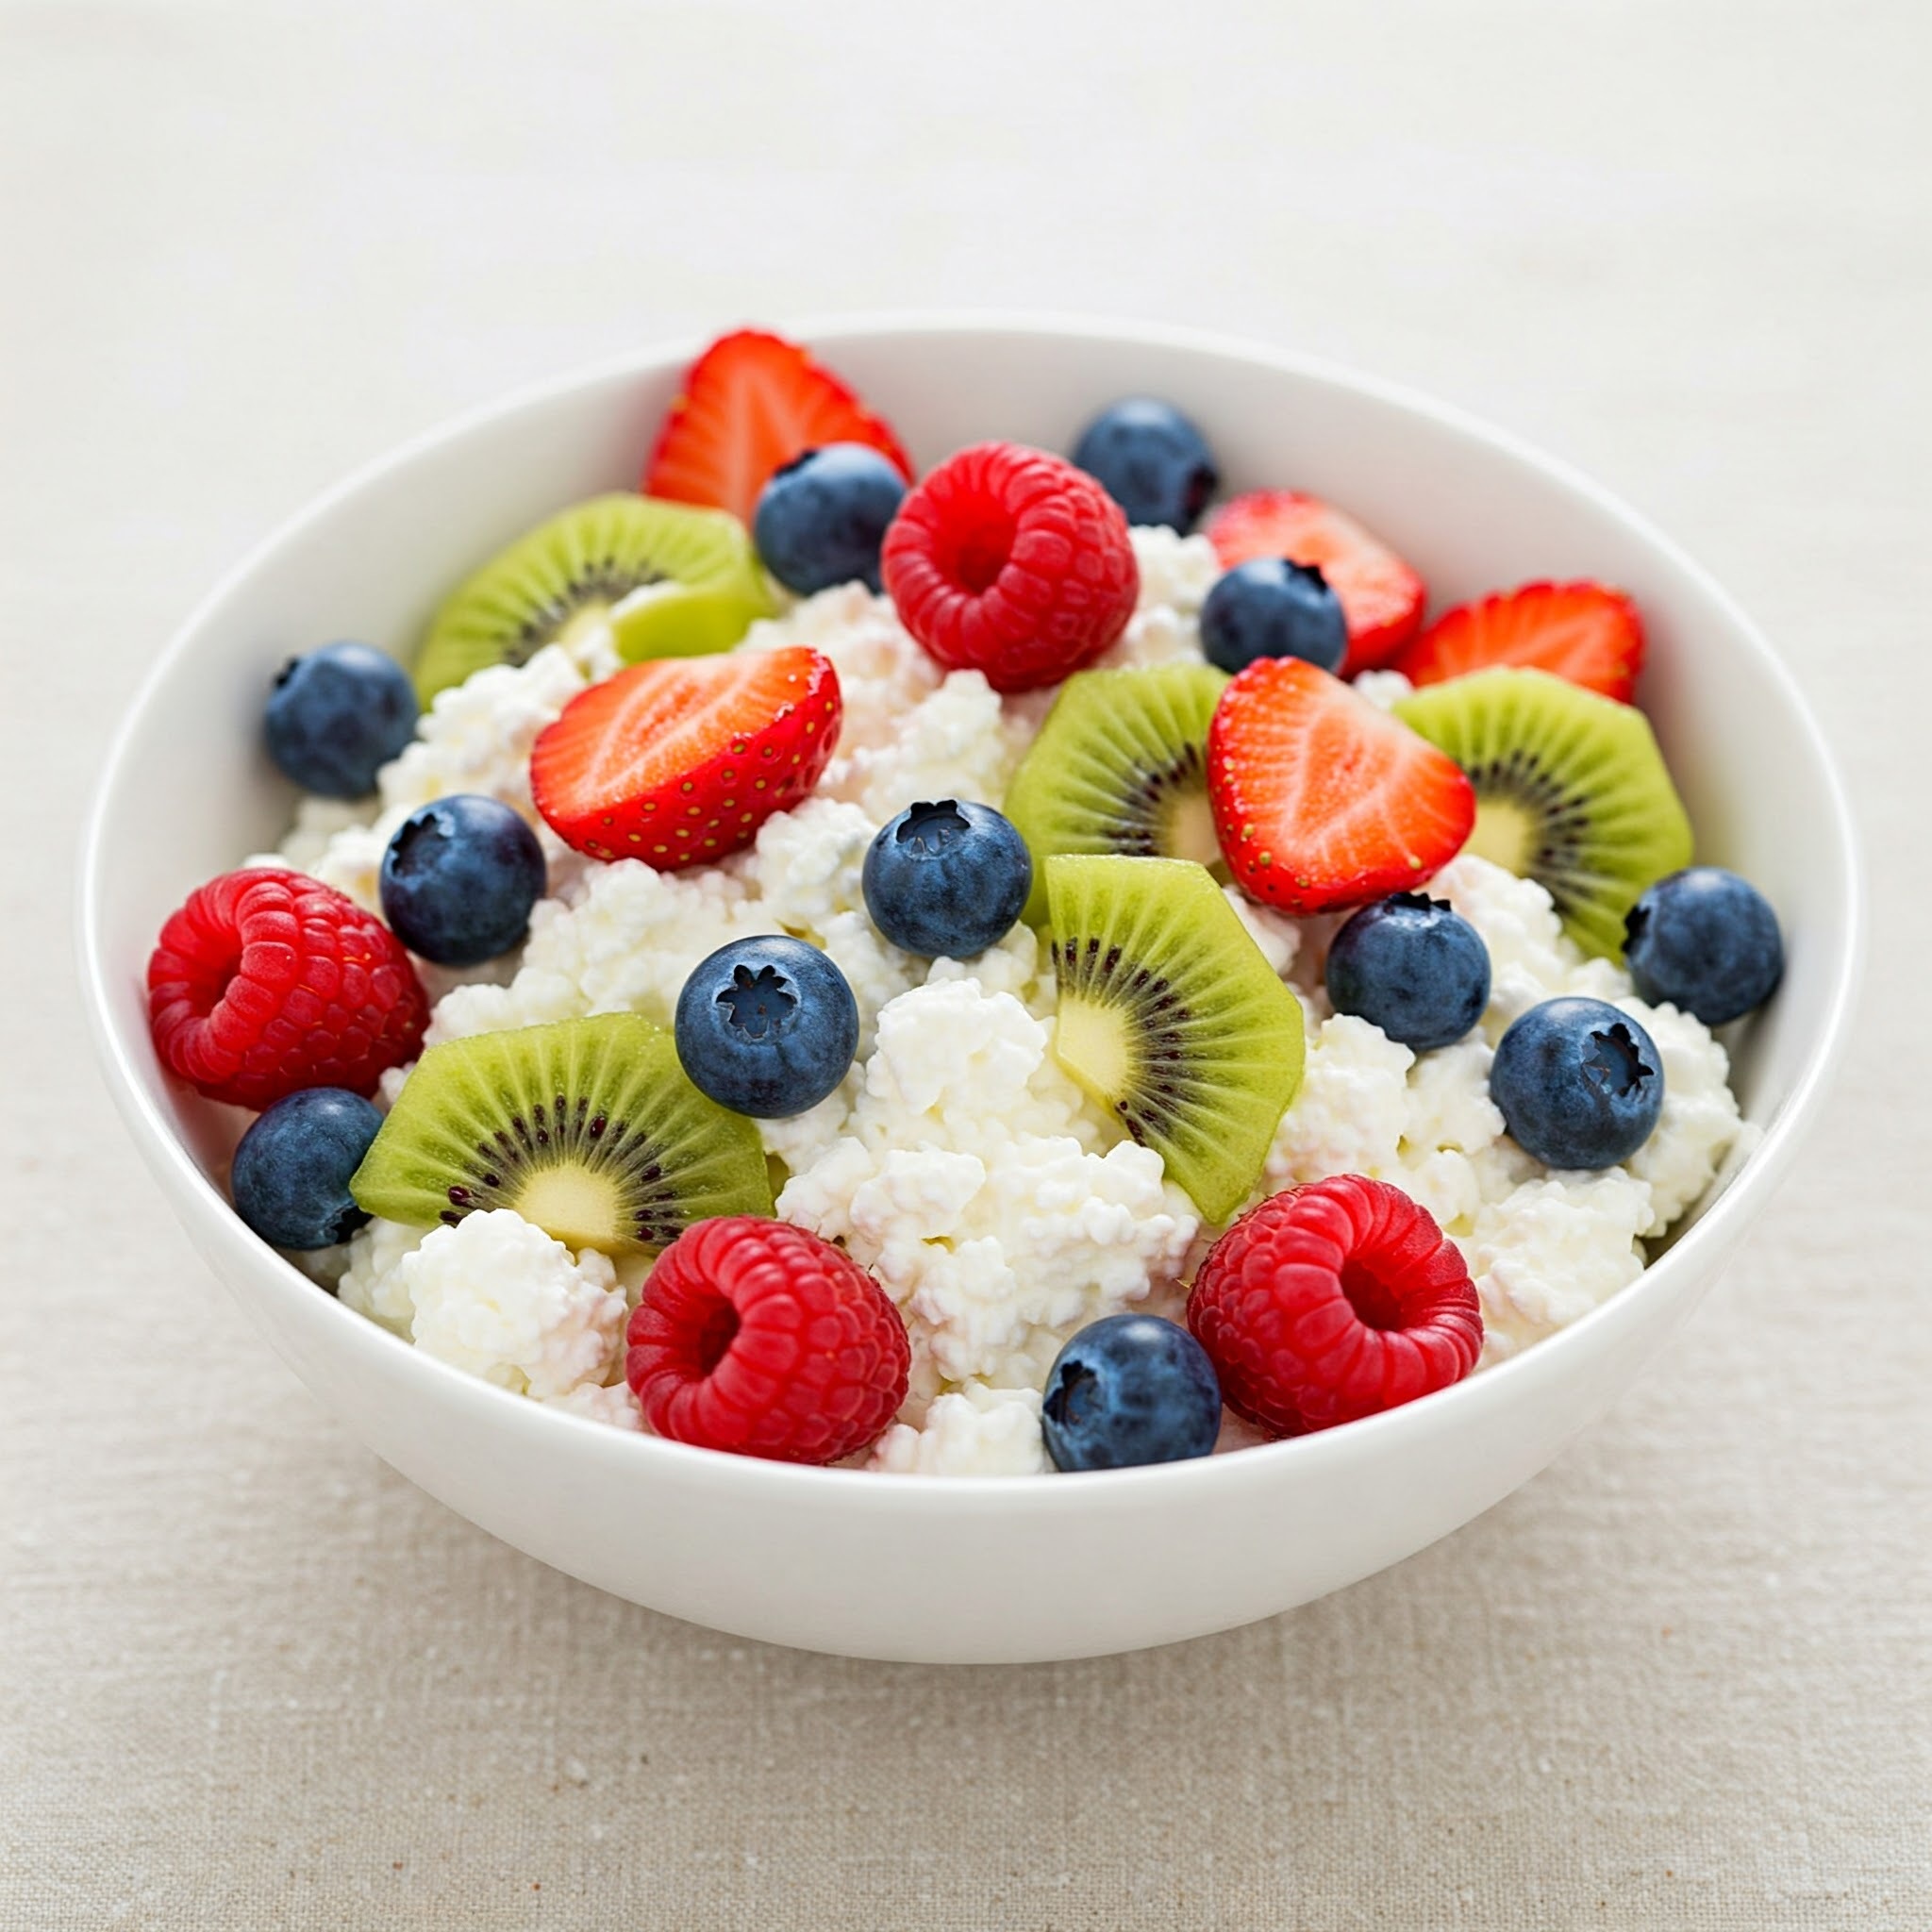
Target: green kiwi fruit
[
  {"x": 1120, "y": 766},
  {"x": 669, "y": 581},
  {"x": 587, "y": 1127},
  {"x": 1571, "y": 790},
  {"x": 1170, "y": 1017}
]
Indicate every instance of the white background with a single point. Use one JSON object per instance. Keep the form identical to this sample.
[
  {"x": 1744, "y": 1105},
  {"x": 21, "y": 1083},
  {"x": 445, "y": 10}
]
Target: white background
[{"x": 247, "y": 1677}]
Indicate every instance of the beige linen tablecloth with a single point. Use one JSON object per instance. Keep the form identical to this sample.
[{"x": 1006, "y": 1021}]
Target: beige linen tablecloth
[{"x": 248, "y": 1678}]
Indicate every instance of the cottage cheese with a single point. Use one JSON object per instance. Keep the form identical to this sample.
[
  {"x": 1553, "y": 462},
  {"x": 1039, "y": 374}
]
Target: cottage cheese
[
  {"x": 1700, "y": 1121},
  {"x": 1542, "y": 1248},
  {"x": 1552, "y": 1250},
  {"x": 619, "y": 938},
  {"x": 496, "y": 1296},
  {"x": 993, "y": 1202},
  {"x": 971, "y": 1181},
  {"x": 370, "y": 1283},
  {"x": 477, "y": 737},
  {"x": 1177, "y": 573},
  {"x": 614, "y": 1405},
  {"x": 974, "y": 1430}
]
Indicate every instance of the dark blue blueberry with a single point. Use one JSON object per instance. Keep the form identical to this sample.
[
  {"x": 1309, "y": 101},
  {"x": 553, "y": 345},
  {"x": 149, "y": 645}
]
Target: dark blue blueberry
[
  {"x": 1705, "y": 941},
  {"x": 767, "y": 1026},
  {"x": 1578, "y": 1084},
  {"x": 1413, "y": 967},
  {"x": 1151, "y": 460},
  {"x": 1127, "y": 1389},
  {"x": 460, "y": 878},
  {"x": 822, "y": 518},
  {"x": 291, "y": 1177},
  {"x": 1271, "y": 607},
  {"x": 337, "y": 716},
  {"x": 947, "y": 878}
]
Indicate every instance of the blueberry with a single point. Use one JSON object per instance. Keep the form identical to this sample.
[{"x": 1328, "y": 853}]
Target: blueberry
[
  {"x": 947, "y": 878},
  {"x": 1127, "y": 1389},
  {"x": 460, "y": 878},
  {"x": 291, "y": 1177},
  {"x": 821, "y": 519},
  {"x": 1413, "y": 967},
  {"x": 337, "y": 716},
  {"x": 1578, "y": 1084},
  {"x": 1151, "y": 460},
  {"x": 767, "y": 1026},
  {"x": 1271, "y": 607},
  {"x": 1705, "y": 941}
]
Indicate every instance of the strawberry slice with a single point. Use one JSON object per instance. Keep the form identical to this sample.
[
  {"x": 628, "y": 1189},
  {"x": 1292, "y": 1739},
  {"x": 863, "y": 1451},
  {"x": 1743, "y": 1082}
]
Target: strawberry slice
[
  {"x": 1323, "y": 801},
  {"x": 678, "y": 761},
  {"x": 1381, "y": 598},
  {"x": 751, "y": 403},
  {"x": 1584, "y": 632}
]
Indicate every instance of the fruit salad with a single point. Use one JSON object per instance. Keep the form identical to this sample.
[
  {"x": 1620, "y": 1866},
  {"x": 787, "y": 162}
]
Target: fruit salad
[{"x": 1035, "y": 964}]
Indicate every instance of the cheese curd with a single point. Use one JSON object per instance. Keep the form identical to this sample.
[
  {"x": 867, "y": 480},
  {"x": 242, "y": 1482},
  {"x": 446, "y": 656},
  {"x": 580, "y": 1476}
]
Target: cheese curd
[
  {"x": 1550, "y": 1250},
  {"x": 973, "y": 1430},
  {"x": 971, "y": 1181},
  {"x": 496, "y": 1296},
  {"x": 997, "y": 1206},
  {"x": 476, "y": 737}
]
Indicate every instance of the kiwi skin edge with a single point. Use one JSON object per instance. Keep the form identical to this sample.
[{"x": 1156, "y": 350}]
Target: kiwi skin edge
[
  {"x": 1572, "y": 790},
  {"x": 590, "y": 1128},
  {"x": 667, "y": 580},
  {"x": 1120, "y": 766},
  {"x": 1171, "y": 1018}
]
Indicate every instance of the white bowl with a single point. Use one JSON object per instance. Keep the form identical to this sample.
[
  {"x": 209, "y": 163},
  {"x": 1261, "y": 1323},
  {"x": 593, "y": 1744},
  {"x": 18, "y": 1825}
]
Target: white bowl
[{"x": 973, "y": 1570}]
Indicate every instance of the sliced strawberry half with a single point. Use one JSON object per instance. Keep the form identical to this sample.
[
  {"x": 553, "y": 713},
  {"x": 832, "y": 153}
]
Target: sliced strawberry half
[
  {"x": 1584, "y": 632},
  {"x": 750, "y": 404},
  {"x": 679, "y": 761},
  {"x": 1323, "y": 801},
  {"x": 1381, "y": 598}
]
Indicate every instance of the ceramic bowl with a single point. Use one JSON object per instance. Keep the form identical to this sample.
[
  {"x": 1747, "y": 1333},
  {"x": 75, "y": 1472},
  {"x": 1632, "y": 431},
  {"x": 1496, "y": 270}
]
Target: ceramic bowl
[{"x": 976, "y": 1569}]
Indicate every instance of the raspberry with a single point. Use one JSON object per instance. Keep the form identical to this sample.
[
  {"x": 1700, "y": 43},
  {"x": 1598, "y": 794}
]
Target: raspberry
[
  {"x": 1012, "y": 562},
  {"x": 266, "y": 982},
  {"x": 1331, "y": 1302},
  {"x": 756, "y": 1336}
]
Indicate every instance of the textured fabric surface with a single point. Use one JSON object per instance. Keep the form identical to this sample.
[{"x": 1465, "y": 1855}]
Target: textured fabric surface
[{"x": 248, "y": 1678}]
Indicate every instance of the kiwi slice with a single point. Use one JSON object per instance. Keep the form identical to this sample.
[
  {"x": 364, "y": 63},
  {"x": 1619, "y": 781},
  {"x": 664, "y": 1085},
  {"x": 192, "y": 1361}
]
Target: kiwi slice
[
  {"x": 1120, "y": 766},
  {"x": 669, "y": 580},
  {"x": 1571, "y": 792},
  {"x": 587, "y": 1127},
  {"x": 1170, "y": 1016}
]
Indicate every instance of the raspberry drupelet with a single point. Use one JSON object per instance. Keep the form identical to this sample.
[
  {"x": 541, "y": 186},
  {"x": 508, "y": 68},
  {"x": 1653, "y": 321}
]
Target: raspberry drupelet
[
  {"x": 1011, "y": 562},
  {"x": 1332, "y": 1302},
  {"x": 265, "y": 982},
  {"x": 757, "y": 1337}
]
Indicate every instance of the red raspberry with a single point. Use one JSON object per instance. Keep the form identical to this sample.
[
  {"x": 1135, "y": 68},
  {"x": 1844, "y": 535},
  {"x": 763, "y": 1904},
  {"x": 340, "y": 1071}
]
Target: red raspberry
[
  {"x": 1331, "y": 1302},
  {"x": 756, "y": 1336},
  {"x": 1011, "y": 561},
  {"x": 267, "y": 981}
]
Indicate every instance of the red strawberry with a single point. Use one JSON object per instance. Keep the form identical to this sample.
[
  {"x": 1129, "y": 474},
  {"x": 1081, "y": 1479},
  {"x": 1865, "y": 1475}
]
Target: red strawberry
[
  {"x": 1590, "y": 635},
  {"x": 678, "y": 761},
  {"x": 1321, "y": 801},
  {"x": 751, "y": 403},
  {"x": 1381, "y": 598}
]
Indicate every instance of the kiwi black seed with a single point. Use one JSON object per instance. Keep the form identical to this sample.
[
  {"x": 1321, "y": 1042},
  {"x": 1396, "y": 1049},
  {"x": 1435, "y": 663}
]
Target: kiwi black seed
[
  {"x": 1170, "y": 1017},
  {"x": 1571, "y": 792},
  {"x": 667, "y": 580},
  {"x": 587, "y": 1127},
  {"x": 1120, "y": 766}
]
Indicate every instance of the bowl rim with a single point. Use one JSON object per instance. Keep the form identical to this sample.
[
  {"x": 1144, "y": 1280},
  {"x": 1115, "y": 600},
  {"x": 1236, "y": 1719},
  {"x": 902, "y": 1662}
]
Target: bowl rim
[{"x": 197, "y": 1199}]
